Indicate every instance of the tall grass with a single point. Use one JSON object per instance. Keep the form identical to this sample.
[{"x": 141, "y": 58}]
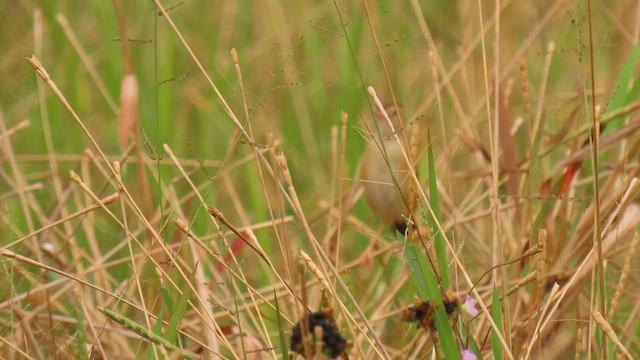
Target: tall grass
[{"x": 202, "y": 207}]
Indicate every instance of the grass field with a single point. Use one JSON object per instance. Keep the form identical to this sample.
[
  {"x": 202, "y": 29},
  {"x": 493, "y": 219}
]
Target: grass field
[{"x": 179, "y": 179}]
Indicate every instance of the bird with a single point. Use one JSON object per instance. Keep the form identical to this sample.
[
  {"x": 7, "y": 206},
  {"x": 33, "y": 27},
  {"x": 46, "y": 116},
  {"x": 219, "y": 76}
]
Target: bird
[{"x": 385, "y": 172}]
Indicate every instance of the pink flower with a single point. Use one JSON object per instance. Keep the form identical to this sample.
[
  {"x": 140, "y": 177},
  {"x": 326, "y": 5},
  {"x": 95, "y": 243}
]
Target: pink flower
[
  {"x": 468, "y": 355},
  {"x": 469, "y": 306}
]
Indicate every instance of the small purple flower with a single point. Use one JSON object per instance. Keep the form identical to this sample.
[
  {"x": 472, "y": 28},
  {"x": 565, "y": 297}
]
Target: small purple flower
[
  {"x": 468, "y": 355},
  {"x": 469, "y": 306}
]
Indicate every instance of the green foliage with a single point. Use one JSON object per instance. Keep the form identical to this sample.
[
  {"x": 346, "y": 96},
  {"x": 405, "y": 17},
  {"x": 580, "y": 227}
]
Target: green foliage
[
  {"x": 496, "y": 315},
  {"x": 281, "y": 337},
  {"x": 429, "y": 288},
  {"x": 626, "y": 89},
  {"x": 178, "y": 313},
  {"x": 435, "y": 223},
  {"x": 81, "y": 339}
]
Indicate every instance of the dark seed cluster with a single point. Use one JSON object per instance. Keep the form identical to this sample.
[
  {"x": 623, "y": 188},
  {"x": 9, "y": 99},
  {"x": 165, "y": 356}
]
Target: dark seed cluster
[
  {"x": 333, "y": 344},
  {"x": 422, "y": 313}
]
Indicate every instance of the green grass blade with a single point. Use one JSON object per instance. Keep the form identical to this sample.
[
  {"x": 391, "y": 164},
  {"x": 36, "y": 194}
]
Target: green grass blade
[
  {"x": 81, "y": 339},
  {"x": 283, "y": 340},
  {"x": 167, "y": 299},
  {"x": 448, "y": 342},
  {"x": 434, "y": 199},
  {"x": 429, "y": 288},
  {"x": 468, "y": 341},
  {"x": 496, "y": 314},
  {"x": 239, "y": 322},
  {"x": 158, "y": 328},
  {"x": 171, "y": 334},
  {"x": 473, "y": 346},
  {"x": 623, "y": 93},
  {"x": 418, "y": 266}
]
